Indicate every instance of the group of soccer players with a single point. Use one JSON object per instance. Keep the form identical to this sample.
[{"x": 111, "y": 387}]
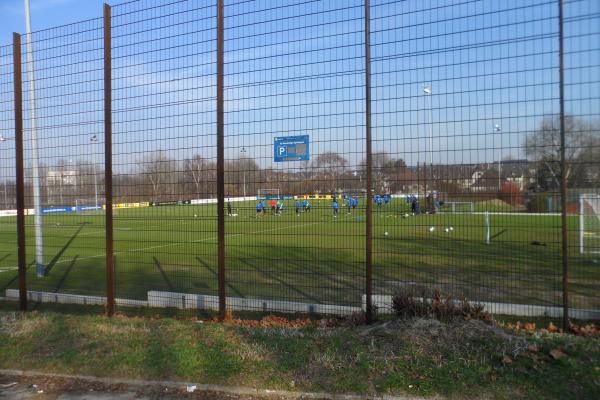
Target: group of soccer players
[
  {"x": 276, "y": 207},
  {"x": 305, "y": 206},
  {"x": 380, "y": 200}
]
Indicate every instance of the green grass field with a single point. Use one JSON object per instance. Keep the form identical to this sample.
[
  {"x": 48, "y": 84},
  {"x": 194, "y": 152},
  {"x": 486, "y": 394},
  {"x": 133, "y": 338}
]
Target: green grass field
[{"x": 312, "y": 257}]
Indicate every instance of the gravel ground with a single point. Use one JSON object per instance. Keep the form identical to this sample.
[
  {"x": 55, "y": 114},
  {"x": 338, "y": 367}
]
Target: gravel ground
[{"x": 45, "y": 388}]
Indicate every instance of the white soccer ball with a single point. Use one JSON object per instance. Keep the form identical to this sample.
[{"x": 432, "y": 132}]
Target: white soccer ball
[
  {"x": 195, "y": 215},
  {"x": 451, "y": 228},
  {"x": 431, "y": 228},
  {"x": 385, "y": 233},
  {"x": 406, "y": 215},
  {"x": 446, "y": 230}
]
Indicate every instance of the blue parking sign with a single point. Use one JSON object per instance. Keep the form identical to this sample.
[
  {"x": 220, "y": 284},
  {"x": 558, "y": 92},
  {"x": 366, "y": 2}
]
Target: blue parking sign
[{"x": 292, "y": 148}]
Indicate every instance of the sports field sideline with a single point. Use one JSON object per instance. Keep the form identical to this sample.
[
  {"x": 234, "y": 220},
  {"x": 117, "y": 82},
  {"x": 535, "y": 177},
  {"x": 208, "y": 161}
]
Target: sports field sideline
[{"x": 311, "y": 257}]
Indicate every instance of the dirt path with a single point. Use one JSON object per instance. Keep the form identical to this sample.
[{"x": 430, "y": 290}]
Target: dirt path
[{"x": 51, "y": 388}]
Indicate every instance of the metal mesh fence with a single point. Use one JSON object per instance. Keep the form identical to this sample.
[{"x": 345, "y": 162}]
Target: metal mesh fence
[
  {"x": 459, "y": 88},
  {"x": 63, "y": 127},
  {"x": 8, "y": 224},
  {"x": 293, "y": 70},
  {"x": 582, "y": 134},
  {"x": 164, "y": 90},
  {"x": 469, "y": 101}
]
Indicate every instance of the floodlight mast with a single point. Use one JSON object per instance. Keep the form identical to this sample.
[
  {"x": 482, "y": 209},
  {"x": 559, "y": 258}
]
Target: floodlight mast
[
  {"x": 39, "y": 245},
  {"x": 243, "y": 155},
  {"x": 497, "y": 129},
  {"x": 2, "y": 140},
  {"x": 94, "y": 139},
  {"x": 428, "y": 93}
]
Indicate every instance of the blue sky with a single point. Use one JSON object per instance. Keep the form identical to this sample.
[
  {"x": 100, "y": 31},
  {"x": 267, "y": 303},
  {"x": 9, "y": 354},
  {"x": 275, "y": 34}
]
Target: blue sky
[
  {"x": 296, "y": 67},
  {"x": 45, "y": 14}
]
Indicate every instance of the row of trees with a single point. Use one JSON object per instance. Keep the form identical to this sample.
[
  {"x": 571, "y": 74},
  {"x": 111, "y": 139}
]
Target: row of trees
[
  {"x": 161, "y": 178},
  {"x": 158, "y": 177},
  {"x": 582, "y": 153}
]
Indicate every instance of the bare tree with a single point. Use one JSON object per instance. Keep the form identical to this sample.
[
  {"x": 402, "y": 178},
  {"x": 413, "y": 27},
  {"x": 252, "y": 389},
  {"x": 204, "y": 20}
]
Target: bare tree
[
  {"x": 159, "y": 170},
  {"x": 328, "y": 167},
  {"x": 389, "y": 174},
  {"x": 195, "y": 169},
  {"x": 582, "y": 146}
]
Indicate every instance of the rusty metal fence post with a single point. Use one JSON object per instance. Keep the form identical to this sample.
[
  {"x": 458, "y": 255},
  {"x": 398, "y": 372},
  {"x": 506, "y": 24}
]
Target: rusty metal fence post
[
  {"x": 18, "y": 98},
  {"x": 110, "y": 273},
  {"x": 221, "y": 156},
  {"x": 563, "y": 173},
  {"x": 369, "y": 219}
]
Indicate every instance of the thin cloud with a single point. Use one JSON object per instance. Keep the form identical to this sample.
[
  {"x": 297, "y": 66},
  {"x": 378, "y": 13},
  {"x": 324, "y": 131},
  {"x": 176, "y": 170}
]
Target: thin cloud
[{"x": 17, "y": 6}]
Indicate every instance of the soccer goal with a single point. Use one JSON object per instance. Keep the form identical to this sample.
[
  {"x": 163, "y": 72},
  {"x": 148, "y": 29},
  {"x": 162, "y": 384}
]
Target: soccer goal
[
  {"x": 358, "y": 193},
  {"x": 90, "y": 204},
  {"x": 459, "y": 206},
  {"x": 268, "y": 194},
  {"x": 589, "y": 223}
]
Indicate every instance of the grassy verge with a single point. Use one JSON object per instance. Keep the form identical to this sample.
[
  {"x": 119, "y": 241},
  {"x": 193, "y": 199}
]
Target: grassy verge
[{"x": 464, "y": 359}]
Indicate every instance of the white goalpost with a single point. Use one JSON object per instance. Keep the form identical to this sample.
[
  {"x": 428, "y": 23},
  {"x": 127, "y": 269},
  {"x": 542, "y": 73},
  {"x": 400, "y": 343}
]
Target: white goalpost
[
  {"x": 358, "y": 193},
  {"x": 267, "y": 194},
  {"x": 91, "y": 204},
  {"x": 459, "y": 207},
  {"x": 589, "y": 223}
]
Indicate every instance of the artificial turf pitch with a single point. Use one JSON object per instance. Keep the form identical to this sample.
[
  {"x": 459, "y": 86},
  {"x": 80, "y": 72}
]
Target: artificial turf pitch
[{"x": 312, "y": 257}]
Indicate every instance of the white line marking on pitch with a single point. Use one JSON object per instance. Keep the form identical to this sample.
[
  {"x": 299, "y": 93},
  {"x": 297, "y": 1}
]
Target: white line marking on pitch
[{"x": 191, "y": 242}]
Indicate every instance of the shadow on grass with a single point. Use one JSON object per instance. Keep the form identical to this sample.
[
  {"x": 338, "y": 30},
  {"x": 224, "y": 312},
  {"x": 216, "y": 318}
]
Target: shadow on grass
[
  {"x": 14, "y": 278},
  {"x": 498, "y": 234},
  {"x": 164, "y": 274},
  {"x": 506, "y": 271},
  {"x": 66, "y": 274},
  {"x": 274, "y": 277},
  {"x": 58, "y": 255},
  {"x": 216, "y": 275}
]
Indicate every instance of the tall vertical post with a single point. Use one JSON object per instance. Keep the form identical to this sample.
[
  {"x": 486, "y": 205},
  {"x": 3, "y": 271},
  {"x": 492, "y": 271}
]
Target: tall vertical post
[
  {"x": 424, "y": 204},
  {"x": 418, "y": 180},
  {"x": 18, "y": 98},
  {"x": 429, "y": 93},
  {"x": 581, "y": 224},
  {"x": 221, "y": 155},
  {"x": 487, "y": 227},
  {"x": 108, "y": 192},
  {"x": 369, "y": 244},
  {"x": 563, "y": 171},
  {"x": 35, "y": 158}
]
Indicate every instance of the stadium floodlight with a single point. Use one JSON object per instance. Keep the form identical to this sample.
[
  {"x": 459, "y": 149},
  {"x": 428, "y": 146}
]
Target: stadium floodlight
[
  {"x": 243, "y": 153},
  {"x": 497, "y": 129},
  {"x": 39, "y": 245},
  {"x": 428, "y": 90},
  {"x": 94, "y": 139},
  {"x": 2, "y": 140}
]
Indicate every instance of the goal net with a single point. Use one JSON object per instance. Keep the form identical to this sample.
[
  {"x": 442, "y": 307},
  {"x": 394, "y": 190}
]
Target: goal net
[
  {"x": 589, "y": 223},
  {"x": 268, "y": 194},
  {"x": 458, "y": 207},
  {"x": 93, "y": 202},
  {"x": 358, "y": 193}
]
